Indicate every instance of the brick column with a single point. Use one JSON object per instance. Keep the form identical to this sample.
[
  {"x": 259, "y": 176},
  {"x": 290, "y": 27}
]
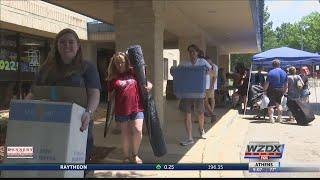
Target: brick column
[
  {"x": 89, "y": 51},
  {"x": 224, "y": 62},
  {"x": 142, "y": 22},
  {"x": 212, "y": 52}
]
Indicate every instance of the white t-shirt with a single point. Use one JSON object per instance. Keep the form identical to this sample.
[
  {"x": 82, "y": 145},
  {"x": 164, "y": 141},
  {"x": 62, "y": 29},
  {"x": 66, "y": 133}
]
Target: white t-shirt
[
  {"x": 199, "y": 62},
  {"x": 215, "y": 73}
]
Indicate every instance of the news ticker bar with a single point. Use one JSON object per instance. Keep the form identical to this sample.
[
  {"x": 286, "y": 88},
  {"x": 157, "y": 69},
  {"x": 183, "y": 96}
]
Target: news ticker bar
[
  {"x": 210, "y": 167},
  {"x": 242, "y": 167}
]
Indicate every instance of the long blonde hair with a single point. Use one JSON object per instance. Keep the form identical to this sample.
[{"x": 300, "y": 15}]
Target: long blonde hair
[
  {"x": 54, "y": 69},
  {"x": 112, "y": 69}
]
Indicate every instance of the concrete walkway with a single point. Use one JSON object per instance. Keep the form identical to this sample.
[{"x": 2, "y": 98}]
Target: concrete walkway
[
  {"x": 302, "y": 144},
  {"x": 226, "y": 143},
  {"x": 203, "y": 151}
]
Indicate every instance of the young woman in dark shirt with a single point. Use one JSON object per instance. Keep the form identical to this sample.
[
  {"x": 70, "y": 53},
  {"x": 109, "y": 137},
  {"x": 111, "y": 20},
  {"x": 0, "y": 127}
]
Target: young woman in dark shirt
[{"x": 65, "y": 66}]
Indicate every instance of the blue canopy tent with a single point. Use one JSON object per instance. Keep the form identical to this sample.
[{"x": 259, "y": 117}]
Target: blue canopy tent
[{"x": 287, "y": 56}]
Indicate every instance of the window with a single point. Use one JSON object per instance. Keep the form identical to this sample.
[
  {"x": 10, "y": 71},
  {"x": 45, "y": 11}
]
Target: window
[
  {"x": 22, "y": 52},
  {"x": 8, "y": 51},
  {"x": 33, "y": 53},
  {"x": 165, "y": 69}
]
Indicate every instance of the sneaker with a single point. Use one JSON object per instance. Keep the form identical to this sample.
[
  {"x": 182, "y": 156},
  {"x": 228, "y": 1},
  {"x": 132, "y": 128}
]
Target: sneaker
[
  {"x": 272, "y": 120},
  {"x": 202, "y": 134},
  {"x": 278, "y": 120},
  {"x": 292, "y": 119},
  {"x": 186, "y": 142}
]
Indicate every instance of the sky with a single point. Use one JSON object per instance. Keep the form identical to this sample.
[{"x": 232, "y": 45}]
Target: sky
[{"x": 290, "y": 10}]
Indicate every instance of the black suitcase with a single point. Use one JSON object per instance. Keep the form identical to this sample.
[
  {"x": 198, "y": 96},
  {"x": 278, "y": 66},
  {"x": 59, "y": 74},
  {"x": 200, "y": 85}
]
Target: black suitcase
[{"x": 301, "y": 111}]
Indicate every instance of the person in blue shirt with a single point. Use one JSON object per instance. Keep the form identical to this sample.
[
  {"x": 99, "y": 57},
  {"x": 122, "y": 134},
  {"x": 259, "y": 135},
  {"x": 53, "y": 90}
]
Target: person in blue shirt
[{"x": 275, "y": 87}]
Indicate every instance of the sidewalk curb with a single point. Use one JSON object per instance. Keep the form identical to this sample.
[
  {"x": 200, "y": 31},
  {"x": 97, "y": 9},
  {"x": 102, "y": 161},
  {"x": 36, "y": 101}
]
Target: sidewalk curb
[
  {"x": 214, "y": 146},
  {"x": 225, "y": 122}
]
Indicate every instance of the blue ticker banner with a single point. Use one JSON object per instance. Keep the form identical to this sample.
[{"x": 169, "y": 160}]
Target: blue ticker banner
[
  {"x": 217, "y": 167},
  {"x": 158, "y": 167}
]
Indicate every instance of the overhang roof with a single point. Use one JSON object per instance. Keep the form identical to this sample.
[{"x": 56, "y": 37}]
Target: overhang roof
[{"x": 228, "y": 24}]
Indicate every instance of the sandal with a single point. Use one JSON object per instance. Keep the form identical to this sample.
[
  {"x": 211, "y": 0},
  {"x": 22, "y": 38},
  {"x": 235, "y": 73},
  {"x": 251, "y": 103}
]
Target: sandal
[
  {"x": 126, "y": 160},
  {"x": 136, "y": 159}
]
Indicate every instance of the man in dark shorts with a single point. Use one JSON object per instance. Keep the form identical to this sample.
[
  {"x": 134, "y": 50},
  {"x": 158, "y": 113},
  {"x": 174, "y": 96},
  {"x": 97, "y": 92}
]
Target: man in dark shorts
[
  {"x": 187, "y": 105},
  {"x": 275, "y": 87}
]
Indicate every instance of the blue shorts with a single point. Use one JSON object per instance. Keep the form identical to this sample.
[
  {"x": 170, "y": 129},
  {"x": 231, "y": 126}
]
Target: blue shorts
[{"x": 131, "y": 117}]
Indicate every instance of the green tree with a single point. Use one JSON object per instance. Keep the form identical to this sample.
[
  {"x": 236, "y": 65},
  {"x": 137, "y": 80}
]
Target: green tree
[
  {"x": 300, "y": 35},
  {"x": 241, "y": 58},
  {"x": 289, "y": 35},
  {"x": 310, "y": 27},
  {"x": 304, "y": 35},
  {"x": 270, "y": 40}
]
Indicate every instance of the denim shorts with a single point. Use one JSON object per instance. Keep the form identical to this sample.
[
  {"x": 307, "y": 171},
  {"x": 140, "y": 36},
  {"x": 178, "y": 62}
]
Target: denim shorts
[{"x": 131, "y": 117}]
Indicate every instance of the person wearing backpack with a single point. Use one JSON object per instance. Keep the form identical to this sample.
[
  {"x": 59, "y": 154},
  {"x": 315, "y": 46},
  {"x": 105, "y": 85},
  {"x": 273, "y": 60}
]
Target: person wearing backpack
[{"x": 295, "y": 86}]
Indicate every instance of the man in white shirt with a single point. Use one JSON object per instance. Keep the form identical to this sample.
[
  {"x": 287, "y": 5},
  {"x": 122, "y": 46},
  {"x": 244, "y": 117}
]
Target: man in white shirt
[
  {"x": 198, "y": 103},
  {"x": 211, "y": 87}
]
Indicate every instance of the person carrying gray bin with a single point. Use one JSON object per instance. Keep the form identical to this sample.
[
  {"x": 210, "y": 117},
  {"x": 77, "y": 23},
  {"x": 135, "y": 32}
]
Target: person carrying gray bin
[{"x": 189, "y": 80}]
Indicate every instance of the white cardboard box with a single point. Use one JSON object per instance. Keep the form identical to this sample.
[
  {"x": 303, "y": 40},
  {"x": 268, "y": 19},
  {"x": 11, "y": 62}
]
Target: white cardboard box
[{"x": 52, "y": 129}]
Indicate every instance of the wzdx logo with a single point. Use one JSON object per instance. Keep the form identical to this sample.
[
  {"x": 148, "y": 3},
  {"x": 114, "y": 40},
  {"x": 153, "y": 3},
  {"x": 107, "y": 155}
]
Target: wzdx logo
[{"x": 264, "y": 150}]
